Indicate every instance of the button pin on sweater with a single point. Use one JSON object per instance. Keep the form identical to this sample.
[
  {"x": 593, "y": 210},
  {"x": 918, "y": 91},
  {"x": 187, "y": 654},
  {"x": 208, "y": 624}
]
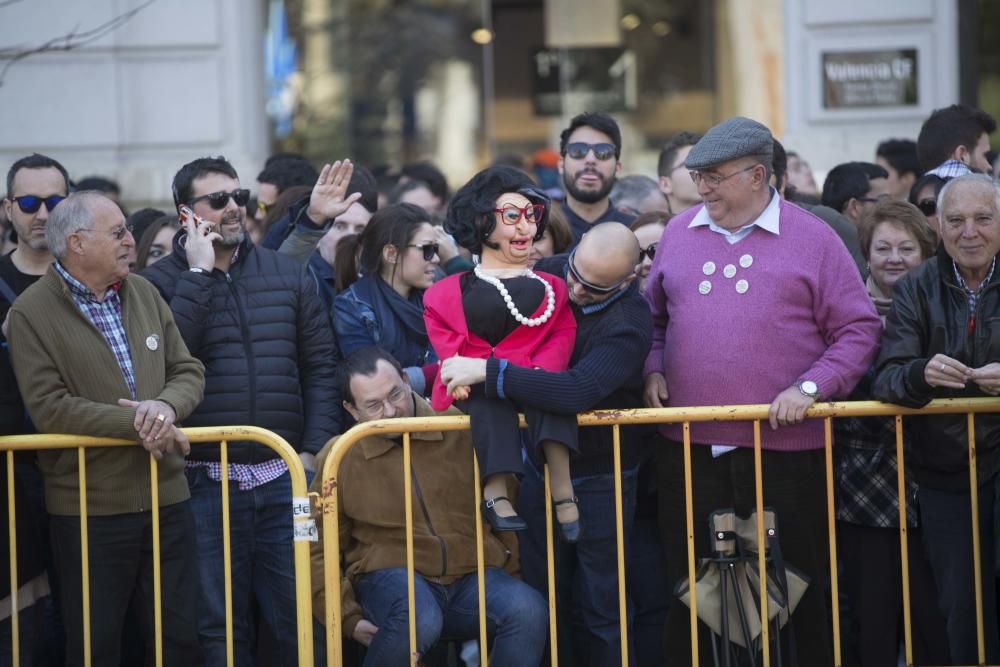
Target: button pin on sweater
[
  {"x": 742, "y": 286},
  {"x": 708, "y": 268},
  {"x": 705, "y": 286},
  {"x": 729, "y": 271},
  {"x": 746, "y": 261}
]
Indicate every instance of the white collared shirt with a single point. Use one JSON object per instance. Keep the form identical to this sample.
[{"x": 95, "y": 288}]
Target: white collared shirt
[{"x": 767, "y": 220}]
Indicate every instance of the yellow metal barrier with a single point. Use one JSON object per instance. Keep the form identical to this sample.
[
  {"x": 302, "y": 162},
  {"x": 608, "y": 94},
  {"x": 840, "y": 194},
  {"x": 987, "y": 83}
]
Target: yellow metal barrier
[
  {"x": 223, "y": 435},
  {"x": 684, "y": 416}
]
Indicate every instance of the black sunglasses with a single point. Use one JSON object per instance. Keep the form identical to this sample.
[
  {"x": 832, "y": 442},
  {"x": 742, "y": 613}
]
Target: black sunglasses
[
  {"x": 429, "y": 250},
  {"x": 31, "y": 203},
  {"x": 219, "y": 200},
  {"x": 648, "y": 251},
  {"x": 927, "y": 206},
  {"x": 578, "y": 150},
  {"x": 588, "y": 286}
]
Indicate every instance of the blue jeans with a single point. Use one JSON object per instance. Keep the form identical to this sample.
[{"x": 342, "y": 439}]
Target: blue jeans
[
  {"x": 946, "y": 527},
  {"x": 587, "y": 572},
  {"x": 263, "y": 569},
  {"x": 517, "y": 619}
]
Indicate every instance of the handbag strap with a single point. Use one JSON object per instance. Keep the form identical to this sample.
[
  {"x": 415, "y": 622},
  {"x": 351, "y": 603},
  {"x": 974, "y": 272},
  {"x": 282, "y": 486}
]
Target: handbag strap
[{"x": 7, "y": 292}]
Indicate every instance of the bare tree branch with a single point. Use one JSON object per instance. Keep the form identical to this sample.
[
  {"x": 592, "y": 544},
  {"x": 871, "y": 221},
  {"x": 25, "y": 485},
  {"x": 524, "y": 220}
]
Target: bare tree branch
[
  {"x": 72, "y": 40},
  {"x": 7, "y": 3}
]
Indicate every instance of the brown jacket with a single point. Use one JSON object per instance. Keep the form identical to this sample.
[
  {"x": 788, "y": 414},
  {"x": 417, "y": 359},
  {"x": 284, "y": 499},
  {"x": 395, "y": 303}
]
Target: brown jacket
[{"x": 372, "y": 518}]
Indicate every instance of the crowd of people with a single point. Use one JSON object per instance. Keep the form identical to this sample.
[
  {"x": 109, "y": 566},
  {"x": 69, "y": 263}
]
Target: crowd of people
[{"x": 343, "y": 295}]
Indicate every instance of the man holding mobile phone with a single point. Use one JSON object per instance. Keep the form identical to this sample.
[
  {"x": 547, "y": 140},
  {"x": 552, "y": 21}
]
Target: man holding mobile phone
[{"x": 253, "y": 317}]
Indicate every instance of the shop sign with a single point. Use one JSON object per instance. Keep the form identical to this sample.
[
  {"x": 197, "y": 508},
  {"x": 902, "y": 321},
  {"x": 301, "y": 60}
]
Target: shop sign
[{"x": 861, "y": 79}]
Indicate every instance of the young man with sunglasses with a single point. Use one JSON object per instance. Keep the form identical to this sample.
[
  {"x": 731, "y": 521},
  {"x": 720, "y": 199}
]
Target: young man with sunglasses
[
  {"x": 589, "y": 151},
  {"x": 252, "y": 316},
  {"x": 613, "y": 335},
  {"x": 35, "y": 185}
]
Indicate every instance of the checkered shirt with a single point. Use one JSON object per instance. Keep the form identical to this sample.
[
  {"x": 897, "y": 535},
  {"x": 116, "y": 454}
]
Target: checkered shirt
[
  {"x": 950, "y": 169},
  {"x": 106, "y": 316},
  {"x": 866, "y": 473},
  {"x": 249, "y": 476},
  {"x": 973, "y": 294}
]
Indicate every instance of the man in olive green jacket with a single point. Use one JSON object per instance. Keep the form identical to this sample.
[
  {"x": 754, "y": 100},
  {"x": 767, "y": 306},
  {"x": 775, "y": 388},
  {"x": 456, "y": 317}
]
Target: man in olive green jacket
[
  {"x": 372, "y": 524},
  {"x": 97, "y": 353}
]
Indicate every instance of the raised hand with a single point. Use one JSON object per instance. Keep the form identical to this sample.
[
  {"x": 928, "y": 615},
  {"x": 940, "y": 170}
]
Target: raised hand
[{"x": 329, "y": 198}]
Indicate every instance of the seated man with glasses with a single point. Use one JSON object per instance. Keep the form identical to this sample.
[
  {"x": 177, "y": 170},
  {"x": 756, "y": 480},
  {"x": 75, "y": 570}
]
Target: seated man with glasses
[
  {"x": 372, "y": 529},
  {"x": 590, "y": 149},
  {"x": 252, "y": 316},
  {"x": 754, "y": 301},
  {"x": 613, "y": 335}
]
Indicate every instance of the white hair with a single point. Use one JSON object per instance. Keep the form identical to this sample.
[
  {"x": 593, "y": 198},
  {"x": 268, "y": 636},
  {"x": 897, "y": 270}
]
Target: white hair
[
  {"x": 74, "y": 213},
  {"x": 982, "y": 179}
]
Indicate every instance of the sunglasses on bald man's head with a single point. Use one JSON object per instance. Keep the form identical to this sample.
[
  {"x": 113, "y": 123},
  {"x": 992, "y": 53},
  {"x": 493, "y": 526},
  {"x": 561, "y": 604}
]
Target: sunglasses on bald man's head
[
  {"x": 219, "y": 200},
  {"x": 31, "y": 203},
  {"x": 586, "y": 285}
]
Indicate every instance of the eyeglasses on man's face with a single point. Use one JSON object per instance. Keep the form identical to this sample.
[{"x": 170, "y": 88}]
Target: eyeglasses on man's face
[
  {"x": 376, "y": 408},
  {"x": 578, "y": 150},
  {"x": 649, "y": 251},
  {"x": 219, "y": 200},
  {"x": 118, "y": 233},
  {"x": 714, "y": 180}
]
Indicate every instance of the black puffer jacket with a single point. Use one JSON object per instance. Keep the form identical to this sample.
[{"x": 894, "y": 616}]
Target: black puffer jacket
[
  {"x": 267, "y": 346},
  {"x": 930, "y": 315}
]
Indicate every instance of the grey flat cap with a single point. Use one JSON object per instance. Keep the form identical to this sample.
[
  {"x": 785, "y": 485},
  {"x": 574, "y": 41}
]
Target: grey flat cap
[{"x": 731, "y": 139}]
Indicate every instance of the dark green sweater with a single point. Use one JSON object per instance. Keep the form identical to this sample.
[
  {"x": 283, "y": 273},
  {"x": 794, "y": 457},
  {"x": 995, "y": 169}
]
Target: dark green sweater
[{"x": 71, "y": 382}]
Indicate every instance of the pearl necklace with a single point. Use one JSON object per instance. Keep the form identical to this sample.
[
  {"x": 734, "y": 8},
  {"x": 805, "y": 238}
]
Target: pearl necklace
[{"x": 550, "y": 296}]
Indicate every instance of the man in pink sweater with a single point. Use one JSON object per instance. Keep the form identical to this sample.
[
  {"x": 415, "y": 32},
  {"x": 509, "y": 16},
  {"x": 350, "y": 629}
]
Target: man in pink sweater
[{"x": 754, "y": 300}]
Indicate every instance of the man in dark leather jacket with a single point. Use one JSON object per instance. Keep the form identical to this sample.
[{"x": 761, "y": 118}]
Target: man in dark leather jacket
[
  {"x": 253, "y": 318},
  {"x": 942, "y": 340}
]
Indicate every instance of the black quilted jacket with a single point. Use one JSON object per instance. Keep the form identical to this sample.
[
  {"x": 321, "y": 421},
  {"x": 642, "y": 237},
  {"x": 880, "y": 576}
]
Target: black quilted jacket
[{"x": 267, "y": 345}]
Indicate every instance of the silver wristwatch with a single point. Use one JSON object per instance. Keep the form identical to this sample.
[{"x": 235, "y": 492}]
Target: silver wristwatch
[{"x": 808, "y": 388}]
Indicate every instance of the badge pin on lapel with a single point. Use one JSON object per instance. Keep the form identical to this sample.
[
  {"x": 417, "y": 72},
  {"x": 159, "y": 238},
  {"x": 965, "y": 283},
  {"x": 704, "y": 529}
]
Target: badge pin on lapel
[{"x": 153, "y": 342}]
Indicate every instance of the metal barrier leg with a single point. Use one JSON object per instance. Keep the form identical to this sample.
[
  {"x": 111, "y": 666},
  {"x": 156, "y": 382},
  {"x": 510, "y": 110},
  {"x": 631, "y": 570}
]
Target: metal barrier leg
[
  {"x": 977, "y": 567},
  {"x": 227, "y": 563},
  {"x": 904, "y": 554},
  {"x": 480, "y": 564},
  {"x": 84, "y": 555},
  {"x": 620, "y": 537},
  {"x": 831, "y": 516},
  {"x": 331, "y": 567},
  {"x": 154, "y": 493},
  {"x": 410, "y": 593},
  {"x": 550, "y": 562},
  {"x": 15, "y": 631},
  {"x": 689, "y": 507},
  {"x": 761, "y": 555}
]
